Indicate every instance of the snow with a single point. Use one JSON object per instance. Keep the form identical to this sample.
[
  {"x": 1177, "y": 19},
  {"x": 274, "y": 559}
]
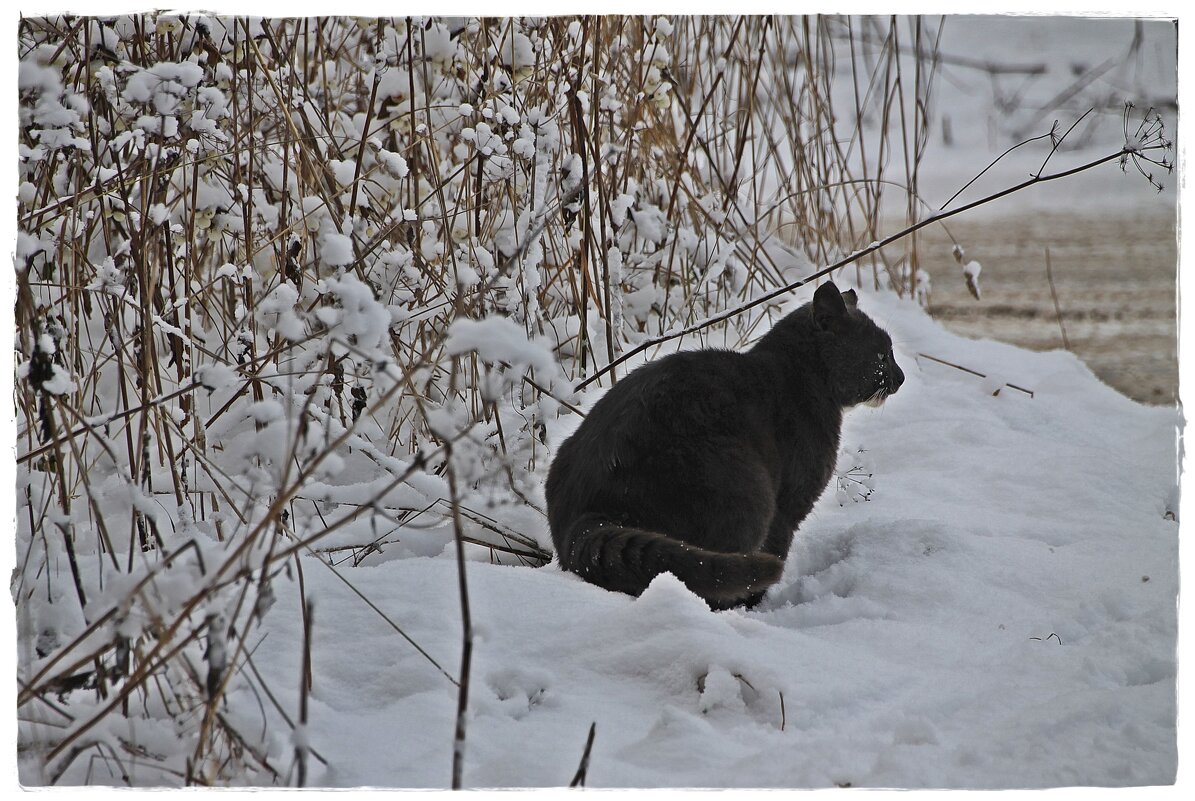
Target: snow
[
  {"x": 59, "y": 382},
  {"x": 498, "y": 339},
  {"x": 344, "y": 171},
  {"x": 336, "y": 250},
  {"x": 999, "y": 614},
  {"x": 393, "y": 162},
  {"x": 278, "y": 312},
  {"x": 216, "y": 376},
  {"x": 360, "y": 317},
  {"x": 514, "y": 50}
]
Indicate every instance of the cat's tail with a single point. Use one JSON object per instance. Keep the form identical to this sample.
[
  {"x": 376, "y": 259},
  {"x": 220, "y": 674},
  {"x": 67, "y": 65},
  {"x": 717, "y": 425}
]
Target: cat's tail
[{"x": 627, "y": 559}]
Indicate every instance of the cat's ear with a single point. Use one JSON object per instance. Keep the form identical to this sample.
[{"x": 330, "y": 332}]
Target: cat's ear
[
  {"x": 828, "y": 306},
  {"x": 850, "y": 298}
]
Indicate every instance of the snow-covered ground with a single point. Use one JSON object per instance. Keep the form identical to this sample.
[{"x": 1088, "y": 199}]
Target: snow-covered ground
[{"x": 1000, "y": 613}]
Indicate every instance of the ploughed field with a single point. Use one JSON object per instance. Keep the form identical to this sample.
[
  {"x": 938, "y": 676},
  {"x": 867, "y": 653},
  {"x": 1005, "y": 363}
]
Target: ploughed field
[{"x": 1115, "y": 281}]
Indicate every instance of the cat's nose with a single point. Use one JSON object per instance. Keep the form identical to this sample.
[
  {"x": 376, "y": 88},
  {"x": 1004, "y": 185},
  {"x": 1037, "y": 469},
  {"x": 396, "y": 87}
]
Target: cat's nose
[{"x": 895, "y": 378}]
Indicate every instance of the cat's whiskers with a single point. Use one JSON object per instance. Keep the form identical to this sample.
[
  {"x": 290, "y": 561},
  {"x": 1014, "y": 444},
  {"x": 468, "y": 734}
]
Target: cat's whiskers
[{"x": 877, "y": 398}]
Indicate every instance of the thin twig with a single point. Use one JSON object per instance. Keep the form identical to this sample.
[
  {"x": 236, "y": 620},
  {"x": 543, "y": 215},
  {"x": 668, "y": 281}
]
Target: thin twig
[
  {"x": 304, "y": 692},
  {"x": 976, "y": 373},
  {"x": 583, "y": 768},
  {"x": 458, "y": 741},
  {"x": 1057, "y": 308}
]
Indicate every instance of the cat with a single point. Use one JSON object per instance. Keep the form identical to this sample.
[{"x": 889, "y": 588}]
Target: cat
[{"x": 703, "y": 463}]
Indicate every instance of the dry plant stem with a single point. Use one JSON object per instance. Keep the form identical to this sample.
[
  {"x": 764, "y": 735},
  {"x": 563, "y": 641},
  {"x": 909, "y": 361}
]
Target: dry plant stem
[
  {"x": 304, "y": 691},
  {"x": 34, "y": 683},
  {"x": 220, "y": 675},
  {"x": 583, "y": 768},
  {"x": 147, "y": 667},
  {"x": 1057, "y": 143},
  {"x": 976, "y": 373},
  {"x": 726, "y": 315},
  {"x": 533, "y": 555},
  {"x": 1057, "y": 308},
  {"x": 462, "y": 709},
  {"x": 101, "y": 526},
  {"x": 684, "y": 152}
]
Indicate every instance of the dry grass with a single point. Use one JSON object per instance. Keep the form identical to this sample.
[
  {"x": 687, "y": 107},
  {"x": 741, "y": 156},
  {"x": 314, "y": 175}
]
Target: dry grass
[{"x": 244, "y": 245}]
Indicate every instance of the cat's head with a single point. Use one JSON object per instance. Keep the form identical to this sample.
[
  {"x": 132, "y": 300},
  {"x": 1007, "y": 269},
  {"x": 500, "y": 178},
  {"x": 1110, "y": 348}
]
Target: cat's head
[{"x": 857, "y": 352}]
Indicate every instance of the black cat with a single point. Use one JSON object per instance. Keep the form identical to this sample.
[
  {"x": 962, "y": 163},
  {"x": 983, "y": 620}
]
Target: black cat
[{"x": 703, "y": 464}]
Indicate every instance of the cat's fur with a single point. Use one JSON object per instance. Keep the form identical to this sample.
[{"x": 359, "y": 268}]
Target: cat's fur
[{"x": 704, "y": 463}]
